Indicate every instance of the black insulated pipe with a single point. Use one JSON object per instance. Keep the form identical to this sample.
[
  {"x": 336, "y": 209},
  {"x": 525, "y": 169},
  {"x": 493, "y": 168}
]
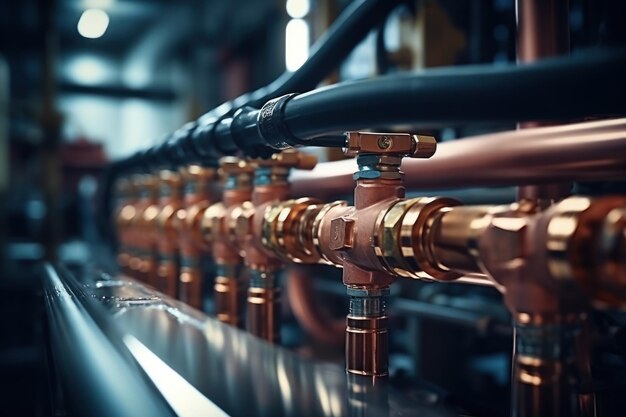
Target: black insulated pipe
[
  {"x": 587, "y": 84},
  {"x": 590, "y": 83},
  {"x": 354, "y": 23}
]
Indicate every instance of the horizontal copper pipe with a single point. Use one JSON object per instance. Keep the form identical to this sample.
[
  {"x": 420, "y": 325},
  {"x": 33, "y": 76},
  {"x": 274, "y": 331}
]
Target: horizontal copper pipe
[{"x": 575, "y": 152}]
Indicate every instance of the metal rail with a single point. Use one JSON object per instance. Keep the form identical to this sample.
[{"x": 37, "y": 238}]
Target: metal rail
[{"x": 147, "y": 354}]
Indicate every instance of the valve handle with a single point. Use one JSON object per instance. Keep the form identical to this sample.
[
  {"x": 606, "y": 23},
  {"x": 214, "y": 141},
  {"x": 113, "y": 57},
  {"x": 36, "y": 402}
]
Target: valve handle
[{"x": 393, "y": 144}]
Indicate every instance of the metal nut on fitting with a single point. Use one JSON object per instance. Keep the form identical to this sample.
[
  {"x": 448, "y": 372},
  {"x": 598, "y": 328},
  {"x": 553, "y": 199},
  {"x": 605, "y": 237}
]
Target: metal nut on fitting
[
  {"x": 198, "y": 172},
  {"x": 232, "y": 164},
  {"x": 239, "y": 223},
  {"x": 341, "y": 233},
  {"x": 285, "y": 230},
  {"x": 316, "y": 227},
  {"x": 401, "y": 238},
  {"x": 147, "y": 220},
  {"x": 560, "y": 229},
  {"x": 362, "y": 291},
  {"x": 211, "y": 223},
  {"x": 579, "y": 247},
  {"x": 378, "y": 166}
]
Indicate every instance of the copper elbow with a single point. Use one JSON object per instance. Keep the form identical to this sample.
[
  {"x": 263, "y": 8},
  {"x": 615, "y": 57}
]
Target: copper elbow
[{"x": 308, "y": 310}]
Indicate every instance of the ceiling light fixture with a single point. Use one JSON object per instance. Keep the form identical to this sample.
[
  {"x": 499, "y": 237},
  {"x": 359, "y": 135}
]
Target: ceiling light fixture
[{"x": 93, "y": 23}]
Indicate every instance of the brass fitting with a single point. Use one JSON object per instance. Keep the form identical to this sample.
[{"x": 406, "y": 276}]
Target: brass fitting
[
  {"x": 124, "y": 213},
  {"x": 217, "y": 218},
  {"x": 357, "y": 238},
  {"x": 199, "y": 193},
  {"x": 270, "y": 186},
  {"x": 144, "y": 262},
  {"x": 550, "y": 265},
  {"x": 170, "y": 201},
  {"x": 401, "y": 238},
  {"x": 288, "y": 230},
  {"x": 367, "y": 337},
  {"x": 586, "y": 242}
]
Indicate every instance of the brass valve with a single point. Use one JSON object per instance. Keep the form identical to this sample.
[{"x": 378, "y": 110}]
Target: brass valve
[
  {"x": 196, "y": 179},
  {"x": 236, "y": 175},
  {"x": 125, "y": 211},
  {"x": 143, "y": 263},
  {"x": 125, "y": 194},
  {"x": 169, "y": 193},
  {"x": 235, "y": 171},
  {"x": 199, "y": 193},
  {"x": 274, "y": 171},
  {"x": 216, "y": 221},
  {"x": 270, "y": 184}
]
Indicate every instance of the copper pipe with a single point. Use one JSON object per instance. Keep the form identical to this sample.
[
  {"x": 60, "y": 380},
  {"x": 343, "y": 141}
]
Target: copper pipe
[
  {"x": 263, "y": 312},
  {"x": 199, "y": 194},
  {"x": 542, "y": 32},
  {"x": 125, "y": 211},
  {"x": 576, "y": 152},
  {"x": 307, "y": 309},
  {"x": 542, "y": 29},
  {"x": 216, "y": 229},
  {"x": 367, "y": 341},
  {"x": 270, "y": 186},
  {"x": 143, "y": 263},
  {"x": 544, "y": 367},
  {"x": 170, "y": 201}
]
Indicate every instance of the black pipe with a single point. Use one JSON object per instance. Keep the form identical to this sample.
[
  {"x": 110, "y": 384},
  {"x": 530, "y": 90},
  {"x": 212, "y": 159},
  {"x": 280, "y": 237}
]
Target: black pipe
[
  {"x": 326, "y": 54},
  {"x": 588, "y": 84}
]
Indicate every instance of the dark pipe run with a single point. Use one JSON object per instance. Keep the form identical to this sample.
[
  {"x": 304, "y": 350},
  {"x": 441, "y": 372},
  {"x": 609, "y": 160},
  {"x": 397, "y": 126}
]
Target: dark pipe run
[{"x": 586, "y": 84}]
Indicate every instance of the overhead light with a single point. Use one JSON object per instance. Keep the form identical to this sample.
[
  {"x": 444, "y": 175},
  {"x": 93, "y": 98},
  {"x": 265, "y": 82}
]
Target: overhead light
[
  {"x": 97, "y": 4},
  {"x": 93, "y": 23},
  {"x": 89, "y": 70},
  {"x": 297, "y": 9},
  {"x": 296, "y": 43}
]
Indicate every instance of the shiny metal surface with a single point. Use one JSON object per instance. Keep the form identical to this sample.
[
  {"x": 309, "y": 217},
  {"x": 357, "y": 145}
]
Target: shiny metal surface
[
  {"x": 240, "y": 374},
  {"x": 96, "y": 372},
  {"x": 576, "y": 152}
]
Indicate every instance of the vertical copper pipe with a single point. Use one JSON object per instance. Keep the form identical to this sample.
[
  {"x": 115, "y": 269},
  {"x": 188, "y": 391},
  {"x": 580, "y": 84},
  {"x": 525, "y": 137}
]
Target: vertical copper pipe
[
  {"x": 270, "y": 185},
  {"x": 228, "y": 294},
  {"x": 541, "y": 381},
  {"x": 125, "y": 211},
  {"x": 198, "y": 181},
  {"x": 228, "y": 287},
  {"x": 543, "y": 31},
  {"x": 263, "y": 309},
  {"x": 367, "y": 337},
  {"x": 228, "y": 282},
  {"x": 544, "y": 365},
  {"x": 169, "y": 202},
  {"x": 143, "y": 262},
  {"x": 263, "y": 302}
]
